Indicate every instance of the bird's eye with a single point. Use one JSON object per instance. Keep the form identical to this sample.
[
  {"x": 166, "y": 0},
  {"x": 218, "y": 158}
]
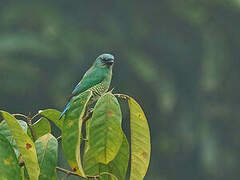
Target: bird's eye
[{"x": 103, "y": 60}]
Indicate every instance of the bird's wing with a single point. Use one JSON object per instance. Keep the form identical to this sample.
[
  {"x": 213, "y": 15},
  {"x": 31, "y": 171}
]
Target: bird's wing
[{"x": 89, "y": 80}]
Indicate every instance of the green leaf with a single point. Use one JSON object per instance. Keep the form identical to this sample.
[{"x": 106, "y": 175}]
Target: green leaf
[
  {"x": 118, "y": 166},
  {"x": 47, "y": 147},
  {"x": 40, "y": 128},
  {"x": 140, "y": 141},
  {"x": 53, "y": 115},
  {"x": 25, "y": 145},
  {"x": 5, "y": 131},
  {"x": 71, "y": 131},
  {"x": 105, "y": 132},
  {"x": 9, "y": 168}
]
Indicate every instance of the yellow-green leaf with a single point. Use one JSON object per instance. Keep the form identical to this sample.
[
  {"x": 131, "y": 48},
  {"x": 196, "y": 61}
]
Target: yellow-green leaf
[
  {"x": 5, "y": 131},
  {"x": 47, "y": 147},
  {"x": 25, "y": 145},
  {"x": 118, "y": 166},
  {"x": 71, "y": 131},
  {"x": 140, "y": 141},
  {"x": 40, "y": 128},
  {"x": 9, "y": 168},
  {"x": 53, "y": 115},
  {"x": 105, "y": 132}
]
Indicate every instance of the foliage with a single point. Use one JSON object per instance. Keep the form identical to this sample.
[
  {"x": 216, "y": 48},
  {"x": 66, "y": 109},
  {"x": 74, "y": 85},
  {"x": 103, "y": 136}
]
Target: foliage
[{"x": 106, "y": 148}]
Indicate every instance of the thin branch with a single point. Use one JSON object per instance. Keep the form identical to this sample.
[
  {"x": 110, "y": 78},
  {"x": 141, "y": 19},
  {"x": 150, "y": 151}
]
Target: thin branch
[
  {"x": 66, "y": 171},
  {"x": 73, "y": 173},
  {"x": 88, "y": 116},
  {"x": 95, "y": 177},
  {"x": 123, "y": 96}
]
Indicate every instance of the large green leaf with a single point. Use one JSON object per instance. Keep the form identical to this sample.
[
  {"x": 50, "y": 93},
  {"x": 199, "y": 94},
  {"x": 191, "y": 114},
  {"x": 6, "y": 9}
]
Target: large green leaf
[
  {"x": 118, "y": 166},
  {"x": 71, "y": 131},
  {"x": 105, "y": 132},
  {"x": 5, "y": 131},
  {"x": 25, "y": 145},
  {"x": 9, "y": 168},
  {"x": 53, "y": 115},
  {"x": 47, "y": 147},
  {"x": 40, "y": 128},
  {"x": 140, "y": 141}
]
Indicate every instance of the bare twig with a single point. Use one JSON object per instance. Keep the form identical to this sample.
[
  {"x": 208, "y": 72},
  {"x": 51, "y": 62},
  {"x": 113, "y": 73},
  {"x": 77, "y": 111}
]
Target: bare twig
[
  {"x": 87, "y": 116},
  {"x": 123, "y": 96},
  {"x": 73, "y": 173},
  {"x": 95, "y": 177},
  {"x": 66, "y": 171}
]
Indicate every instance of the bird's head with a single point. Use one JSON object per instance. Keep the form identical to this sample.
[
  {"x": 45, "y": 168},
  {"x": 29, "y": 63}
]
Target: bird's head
[{"x": 105, "y": 60}]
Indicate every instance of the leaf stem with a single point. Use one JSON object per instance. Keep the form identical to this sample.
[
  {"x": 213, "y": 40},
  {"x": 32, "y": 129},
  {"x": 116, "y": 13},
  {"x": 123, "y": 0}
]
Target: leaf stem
[
  {"x": 29, "y": 122},
  {"x": 108, "y": 173},
  {"x": 20, "y": 115},
  {"x": 73, "y": 173},
  {"x": 35, "y": 116}
]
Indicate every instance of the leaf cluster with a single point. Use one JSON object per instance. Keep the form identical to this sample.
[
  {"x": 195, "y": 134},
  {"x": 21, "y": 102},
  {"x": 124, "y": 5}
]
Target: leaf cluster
[{"x": 29, "y": 151}]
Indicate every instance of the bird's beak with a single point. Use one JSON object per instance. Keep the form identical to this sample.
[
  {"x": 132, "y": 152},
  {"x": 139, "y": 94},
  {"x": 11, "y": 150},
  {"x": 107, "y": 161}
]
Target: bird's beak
[{"x": 110, "y": 62}]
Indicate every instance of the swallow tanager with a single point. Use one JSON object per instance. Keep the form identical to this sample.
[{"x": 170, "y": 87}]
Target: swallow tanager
[{"x": 97, "y": 79}]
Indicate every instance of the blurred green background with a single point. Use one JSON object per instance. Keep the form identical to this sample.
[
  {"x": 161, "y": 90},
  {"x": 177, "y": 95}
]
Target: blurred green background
[{"x": 179, "y": 59}]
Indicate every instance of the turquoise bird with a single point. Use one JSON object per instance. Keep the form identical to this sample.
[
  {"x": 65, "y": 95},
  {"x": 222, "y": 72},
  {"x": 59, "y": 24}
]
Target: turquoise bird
[{"x": 97, "y": 79}]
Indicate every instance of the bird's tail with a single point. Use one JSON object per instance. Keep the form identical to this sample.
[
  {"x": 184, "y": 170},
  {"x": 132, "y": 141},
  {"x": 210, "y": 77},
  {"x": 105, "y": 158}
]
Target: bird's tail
[{"x": 65, "y": 110}]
